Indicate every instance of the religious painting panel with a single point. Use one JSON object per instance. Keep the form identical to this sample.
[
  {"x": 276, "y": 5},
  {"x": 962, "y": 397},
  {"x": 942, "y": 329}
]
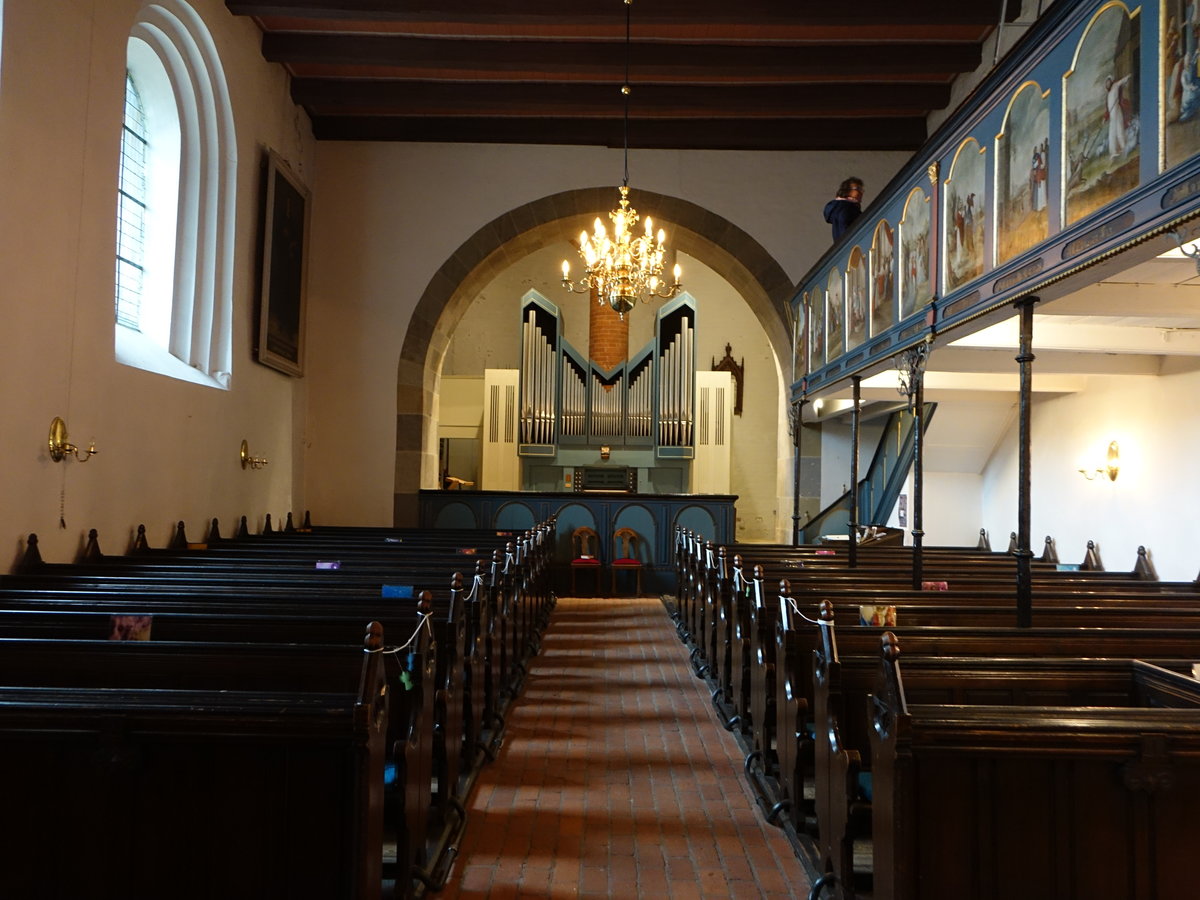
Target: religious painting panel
[
  {"x": 799, "y": 338},
  {"x": 816, "y": 330},
  {"x": 965, "y": 214},
  {"x": 282, "y": 297},
  {"x": 1101, "y": 118},
  {"x": 916, "y": 237},
  {"x": 1022, "y": 164},
  {"x": 1179, "y": 41},
  {"x": 883, "y": 278},
  {"x": 856, "y": 299},
  {"x": 835, "y": 316}
]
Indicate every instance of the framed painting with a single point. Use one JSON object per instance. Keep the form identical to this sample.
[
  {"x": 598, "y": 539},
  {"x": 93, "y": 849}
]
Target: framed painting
[
  {"x": 1101, "y": 118},
  {"x": 282, "y": 297},
  {"x": 965, "y": 212},
  {"x": 1179, "y": 65},
  {"x": 915, "y": 240},
  {"x": 1022, "y": 173},
  {"x": 816, "y": 330},
  {"x": 856, "y": 299},
  {"x": 883, "y": 279},
  {"x": 835, "y": 316}
]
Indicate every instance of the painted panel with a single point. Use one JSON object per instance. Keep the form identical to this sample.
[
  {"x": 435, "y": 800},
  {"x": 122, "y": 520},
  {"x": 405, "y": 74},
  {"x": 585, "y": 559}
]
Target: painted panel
[
  {"x": 916, "y": 237},
  {"x": 698, "y": 520},
  {"x": 455, "y": 515},
  {"x": 965, "y": 216},
  {"x": 1101, "y": 115},
  {"x": 1022, "y": 173},
  {"x": 816, "y": 329},
  {"x": 856, "y": 299},
  {"x": 1179, "y": 69},
  {"x": 835, "y": 315},
  {"x": 515, "y": 516},
  {"x": 883, "y": 279}
]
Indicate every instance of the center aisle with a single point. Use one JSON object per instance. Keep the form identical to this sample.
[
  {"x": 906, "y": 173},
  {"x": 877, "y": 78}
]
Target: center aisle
[{"x": 615, "y": 779}]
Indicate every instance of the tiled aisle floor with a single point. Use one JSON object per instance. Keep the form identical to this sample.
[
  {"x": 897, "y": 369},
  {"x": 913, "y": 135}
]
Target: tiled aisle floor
[{"x": 615, "y": 779}]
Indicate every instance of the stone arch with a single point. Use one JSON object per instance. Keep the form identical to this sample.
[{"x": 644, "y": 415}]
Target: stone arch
[{"x": 696, "y": 231}]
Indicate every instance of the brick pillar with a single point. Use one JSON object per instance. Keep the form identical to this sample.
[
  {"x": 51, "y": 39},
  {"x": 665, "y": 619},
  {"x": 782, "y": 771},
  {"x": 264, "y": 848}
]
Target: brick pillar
[{"x": 608, "y": 335}]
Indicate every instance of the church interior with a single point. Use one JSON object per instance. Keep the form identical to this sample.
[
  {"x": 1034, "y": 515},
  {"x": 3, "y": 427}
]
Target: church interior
[{"x": 326, "y": 263}]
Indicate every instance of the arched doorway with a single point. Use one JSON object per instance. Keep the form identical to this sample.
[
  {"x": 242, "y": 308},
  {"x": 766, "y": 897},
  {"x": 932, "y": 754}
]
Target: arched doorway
[{"x": 700, "y": 233}]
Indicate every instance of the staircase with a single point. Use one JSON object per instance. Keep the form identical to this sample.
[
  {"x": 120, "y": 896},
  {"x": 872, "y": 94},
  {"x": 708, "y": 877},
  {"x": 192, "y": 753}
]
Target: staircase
[{"x": 879, "y": 490}]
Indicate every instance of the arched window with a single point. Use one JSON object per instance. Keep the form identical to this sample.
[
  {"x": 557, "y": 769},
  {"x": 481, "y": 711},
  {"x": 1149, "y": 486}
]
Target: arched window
[{"x": 175, "y": 207}]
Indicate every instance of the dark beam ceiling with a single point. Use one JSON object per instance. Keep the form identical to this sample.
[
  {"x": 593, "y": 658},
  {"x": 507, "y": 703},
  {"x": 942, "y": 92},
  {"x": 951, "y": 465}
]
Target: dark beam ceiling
[{"x": 753, "y": 75}]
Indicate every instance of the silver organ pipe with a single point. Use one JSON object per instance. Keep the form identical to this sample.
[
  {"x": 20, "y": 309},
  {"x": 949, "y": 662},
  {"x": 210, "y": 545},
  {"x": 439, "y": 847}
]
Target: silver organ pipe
[
  {"x": 527, "y": 379},
  {"x": 686, "y": 383},
  {"x": 676, "y": 388},
  {"x": 538, "y": 383},
  {"x": 574, "y": 400},
  {"x": 639, "y": 408},
  {"x": 650, "y": 399}
]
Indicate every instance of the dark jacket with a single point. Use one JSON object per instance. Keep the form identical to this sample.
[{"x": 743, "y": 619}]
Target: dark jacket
[{"x": 841, "y": 214}]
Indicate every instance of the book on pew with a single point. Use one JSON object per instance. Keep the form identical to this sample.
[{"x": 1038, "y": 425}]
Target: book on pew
[
  {"x": 129, "y": 628},
  {"x": 877, "y": 615}
]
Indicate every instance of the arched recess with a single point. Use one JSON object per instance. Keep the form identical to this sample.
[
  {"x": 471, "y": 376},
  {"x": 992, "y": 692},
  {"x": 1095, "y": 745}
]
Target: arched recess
[{"x": 726, "y": 249}]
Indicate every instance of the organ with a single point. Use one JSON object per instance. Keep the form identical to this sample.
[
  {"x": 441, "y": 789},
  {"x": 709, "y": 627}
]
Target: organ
[{"x": 643, "y": 410}]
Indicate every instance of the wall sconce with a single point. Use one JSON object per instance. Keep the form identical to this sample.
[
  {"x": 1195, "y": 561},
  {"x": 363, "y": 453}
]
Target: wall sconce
[
  {"x": 254, "y": 462},
  {"x": 1111, "y": 469},
  {"x": 605, "y": 452},
  {"x": 60, "y": 446}
]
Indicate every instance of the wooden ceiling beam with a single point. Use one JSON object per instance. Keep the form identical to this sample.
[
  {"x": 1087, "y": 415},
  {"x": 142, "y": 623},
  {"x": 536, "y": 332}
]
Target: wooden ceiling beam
[
  {"x": 681, "y": 12},
  {"x": 648, "y": 62},
  {"x": 904, "y": 134},
  {"x": 411, "y": 98}
]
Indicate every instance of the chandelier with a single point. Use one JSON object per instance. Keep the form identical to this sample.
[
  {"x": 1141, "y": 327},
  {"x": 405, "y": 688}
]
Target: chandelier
[{"x": 625, "y": 268}]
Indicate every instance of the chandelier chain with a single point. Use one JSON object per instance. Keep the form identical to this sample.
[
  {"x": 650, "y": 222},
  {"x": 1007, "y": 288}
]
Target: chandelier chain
[{"x": 625, "y": 268}]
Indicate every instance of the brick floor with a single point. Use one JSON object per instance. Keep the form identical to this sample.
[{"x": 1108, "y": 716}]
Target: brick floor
[{"x": 615, "y": 779}]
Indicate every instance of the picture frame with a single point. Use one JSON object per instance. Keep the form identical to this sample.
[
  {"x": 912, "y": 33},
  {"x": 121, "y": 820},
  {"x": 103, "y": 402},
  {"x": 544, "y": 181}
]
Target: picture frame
[{"x": 283, "y": 294}]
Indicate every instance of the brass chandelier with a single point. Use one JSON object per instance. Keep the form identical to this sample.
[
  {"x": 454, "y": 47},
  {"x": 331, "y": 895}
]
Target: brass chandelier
[{"x": 625, "y": 268}]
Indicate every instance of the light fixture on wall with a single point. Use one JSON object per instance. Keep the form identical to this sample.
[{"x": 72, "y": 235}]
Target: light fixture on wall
[
  {"x": 60, "y": 446},
  {"x": 625, "y": 268},
  {"x": 1110, "y": 469},
  {"x": 1192, "y": 253},
  {"x": 248, "y": 461}
]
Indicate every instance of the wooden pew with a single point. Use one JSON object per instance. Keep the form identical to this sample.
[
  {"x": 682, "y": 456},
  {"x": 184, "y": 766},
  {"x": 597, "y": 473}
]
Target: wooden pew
[
  {"x": 1094, "y": 802},
  {"x": 145, "y": 784},
  {"x": 841, "y": 723},
  {"x": 279, "y": 575}
]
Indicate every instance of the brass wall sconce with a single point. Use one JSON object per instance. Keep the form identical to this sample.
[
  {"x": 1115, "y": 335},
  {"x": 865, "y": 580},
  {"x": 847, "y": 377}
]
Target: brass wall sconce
[
  {"x": 60, "y": 446},
  {"x": 253, "y": 462},
  {"x": 1112, "y": 468}
]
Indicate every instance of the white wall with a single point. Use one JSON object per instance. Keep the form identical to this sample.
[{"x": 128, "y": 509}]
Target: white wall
[
  {"x": 1153, "y": 502},
  {"x": 952, "y": 510},
  {"x": 168, "y": 450}
]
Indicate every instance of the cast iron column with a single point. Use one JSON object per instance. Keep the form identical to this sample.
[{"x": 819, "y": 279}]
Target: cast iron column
[
  {"x": 797, "y": 414},
  {"x": 911, "y": 365},
  {"x": 1023, "y": 554},
  {"x": 854, "y": 442}
]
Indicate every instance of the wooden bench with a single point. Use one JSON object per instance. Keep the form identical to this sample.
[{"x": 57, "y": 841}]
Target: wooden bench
[
  {"x": 1062, "y": 801},
  {"x": 276, "y": 578},
  {"x": 841, "y": 722},
  {"x": 149, "y": 784}
]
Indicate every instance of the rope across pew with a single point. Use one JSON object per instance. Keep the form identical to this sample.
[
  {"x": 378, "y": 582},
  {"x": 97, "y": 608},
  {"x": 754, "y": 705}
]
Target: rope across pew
[
  {"x": 250, "y": 587},
  {"x": 756, "y": 651}
]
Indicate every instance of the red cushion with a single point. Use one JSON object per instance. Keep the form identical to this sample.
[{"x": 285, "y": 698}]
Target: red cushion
[
  {"x": 627, "y": 562},
  {"x": 585, "y": 562}
]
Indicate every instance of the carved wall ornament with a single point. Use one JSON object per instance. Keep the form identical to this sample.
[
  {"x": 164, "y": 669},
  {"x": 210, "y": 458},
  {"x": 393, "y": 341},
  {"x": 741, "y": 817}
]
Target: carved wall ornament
[{"x": 738, "y": 370}]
